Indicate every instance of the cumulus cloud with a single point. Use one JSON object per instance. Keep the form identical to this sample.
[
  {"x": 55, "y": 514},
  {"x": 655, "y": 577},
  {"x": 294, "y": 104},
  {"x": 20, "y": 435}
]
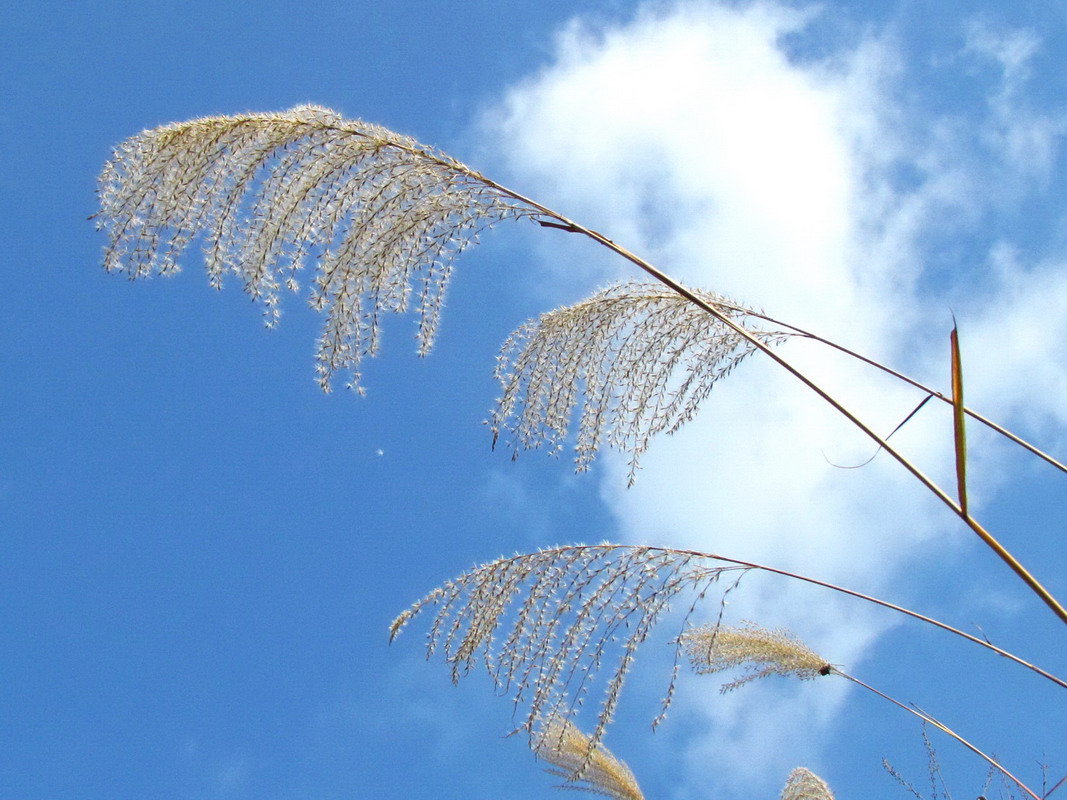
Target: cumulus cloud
[{"x": 696, "y": 136}]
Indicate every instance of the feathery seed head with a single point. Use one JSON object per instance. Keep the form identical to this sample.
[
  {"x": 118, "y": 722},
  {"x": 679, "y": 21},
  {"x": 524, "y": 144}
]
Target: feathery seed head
[
  {"x": 379, "y": 215},
  {"x": 584, "y": 764},
  {"x": 761, "y": 652},
  {"x": 803, "y": 784},
  {"x": 544, "y": 624},
  {"x": 632, "y": 361}
]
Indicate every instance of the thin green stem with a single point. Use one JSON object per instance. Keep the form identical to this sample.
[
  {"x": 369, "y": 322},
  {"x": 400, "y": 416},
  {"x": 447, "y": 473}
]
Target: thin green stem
[{"x": 943, "y": 728}]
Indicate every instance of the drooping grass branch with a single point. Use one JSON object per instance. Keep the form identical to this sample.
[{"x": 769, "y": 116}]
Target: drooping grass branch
[
  {"x": 382, "y": 217},
  {"x": 272, "y": 191},
  {"x": 543, "y": 624},
  {"x": 632, "y": 361}
]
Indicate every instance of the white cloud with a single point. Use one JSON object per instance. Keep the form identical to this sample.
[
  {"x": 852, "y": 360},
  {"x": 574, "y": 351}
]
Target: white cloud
[
  {"x": 691, "y": 136},
  {"x": 1022, "y": 320},
  {"x": 1025, "y": 137}
]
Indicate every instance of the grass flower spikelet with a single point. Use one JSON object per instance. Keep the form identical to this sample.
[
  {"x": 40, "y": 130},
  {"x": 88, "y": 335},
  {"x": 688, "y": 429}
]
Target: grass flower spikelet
[
  {"x": 585, "y": 765},
  {"x": 803, "y": 784},
  {"x": 759, "y": 651},
  {"x": 630, "y": 362}
]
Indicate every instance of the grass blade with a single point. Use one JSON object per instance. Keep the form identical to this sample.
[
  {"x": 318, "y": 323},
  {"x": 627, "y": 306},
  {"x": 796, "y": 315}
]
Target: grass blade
[{"x": 959, "y": 431}]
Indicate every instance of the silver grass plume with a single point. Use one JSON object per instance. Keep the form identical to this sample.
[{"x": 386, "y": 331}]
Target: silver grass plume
[
  {"x": 587, "y": 767},
  {"x": 543, "y": 624},
  {"x": 632, "y": 361},
  {"x": 761, "y": 652},
  {"x": 803, "y": 784},
  {"x": 381, "y": 215}
]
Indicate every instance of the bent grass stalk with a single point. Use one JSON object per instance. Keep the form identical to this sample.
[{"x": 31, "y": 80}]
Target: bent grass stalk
[
  {"x": 558, "y": 558},
  {"x": 544, "y": 622}
]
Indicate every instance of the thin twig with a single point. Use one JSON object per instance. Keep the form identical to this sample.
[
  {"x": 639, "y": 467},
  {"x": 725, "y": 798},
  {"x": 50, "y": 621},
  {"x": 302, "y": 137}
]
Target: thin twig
[{"x": 943, "y": 728}]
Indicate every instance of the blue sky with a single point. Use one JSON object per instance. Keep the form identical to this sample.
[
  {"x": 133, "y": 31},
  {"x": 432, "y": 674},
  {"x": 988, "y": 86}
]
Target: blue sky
[{"x": 202, "y": 553}]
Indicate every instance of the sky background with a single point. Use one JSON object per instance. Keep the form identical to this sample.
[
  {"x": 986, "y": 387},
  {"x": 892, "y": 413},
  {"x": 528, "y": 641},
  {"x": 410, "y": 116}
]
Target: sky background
[{"x": 201, "y": 553}]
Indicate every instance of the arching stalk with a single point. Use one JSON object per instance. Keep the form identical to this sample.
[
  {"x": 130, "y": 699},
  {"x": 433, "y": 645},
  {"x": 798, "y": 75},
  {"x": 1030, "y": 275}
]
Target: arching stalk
[{"x": 1002, "y": 552}]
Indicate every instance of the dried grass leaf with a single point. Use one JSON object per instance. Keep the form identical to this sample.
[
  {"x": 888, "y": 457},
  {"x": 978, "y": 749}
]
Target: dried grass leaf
[{"x": 959, "y": 424}]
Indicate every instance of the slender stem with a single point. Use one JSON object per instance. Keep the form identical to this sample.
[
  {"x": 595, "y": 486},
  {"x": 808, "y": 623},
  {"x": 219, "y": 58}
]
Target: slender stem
[
  {"x": 906, "y": 379},
  {"x": 943, "y": 728},
  {"x": 884, "y": 604}
]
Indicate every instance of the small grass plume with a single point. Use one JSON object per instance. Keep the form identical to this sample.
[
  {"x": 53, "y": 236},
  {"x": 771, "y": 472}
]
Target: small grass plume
[
  {"x": 758, "y": 651},
  {"x": 803, "y": 784},
  {"x": 585, "y": 765}
]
